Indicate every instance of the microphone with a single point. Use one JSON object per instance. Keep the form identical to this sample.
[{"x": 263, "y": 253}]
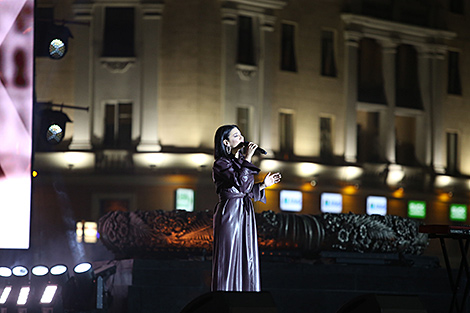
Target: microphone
[{"x": 259, "y": 149}]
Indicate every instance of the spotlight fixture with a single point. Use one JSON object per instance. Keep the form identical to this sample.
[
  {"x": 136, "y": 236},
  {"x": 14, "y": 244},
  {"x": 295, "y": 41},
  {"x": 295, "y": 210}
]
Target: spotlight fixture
[
  {"x": 48, "y": 294},
  {"x": 52, "y": 128},
  {"x": 39, "y": 270},
  {"x": 51, "y": 40},
  {"x": 5, "y": 294},
  {"x": 23, "y": 296},
  {"x": 19, "y": 271}
]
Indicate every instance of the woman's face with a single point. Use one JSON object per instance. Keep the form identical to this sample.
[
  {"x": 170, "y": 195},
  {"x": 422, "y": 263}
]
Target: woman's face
[{"x": 234, "y": 138}]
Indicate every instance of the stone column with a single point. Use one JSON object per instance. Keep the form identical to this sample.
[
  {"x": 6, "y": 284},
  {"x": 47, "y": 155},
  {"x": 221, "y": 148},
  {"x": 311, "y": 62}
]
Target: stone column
[
  {"x": 387, "y": 117},
  {"x": 229, "y": 79},
  {"x": 438, "y": 70},
  {"x": 83, "y": 46},
  {"x": 424, "y": 128},
  {"x": 151, "y": 38},
  {"x": 265, "y": 90},
  {"x": 350, "y": 83}
]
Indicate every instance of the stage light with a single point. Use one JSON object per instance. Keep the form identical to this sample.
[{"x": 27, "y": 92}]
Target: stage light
[
  {"x": 52, "y": 128},
  {"x": 5, "y": 293},
  {"x": 39, "y": 270},
  {"x": 52, "y": 40},
  {"x": 19, "y": 271},
  {"x": 23, "y": 296},
  {"x": 58, "y": 270},
  {"x": 48, "y": 294},
  {"x": 5, "y": 271},
  {"x": 78, "y": 293},
  {"x": 82, "y": 268}
]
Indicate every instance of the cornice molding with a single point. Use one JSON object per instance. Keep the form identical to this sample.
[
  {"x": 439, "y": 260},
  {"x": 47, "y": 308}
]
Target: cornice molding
[
  {"x": 384, "y": 30},
  {"x": 265, "y": 4}
]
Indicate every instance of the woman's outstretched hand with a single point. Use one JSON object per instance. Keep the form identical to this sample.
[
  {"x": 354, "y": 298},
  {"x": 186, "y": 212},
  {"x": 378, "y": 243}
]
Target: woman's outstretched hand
[{"x": 271, "y": 179}]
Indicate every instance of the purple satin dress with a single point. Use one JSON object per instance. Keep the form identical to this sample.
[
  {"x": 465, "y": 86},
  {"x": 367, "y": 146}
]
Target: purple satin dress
[{"x": 235, "y": 261}]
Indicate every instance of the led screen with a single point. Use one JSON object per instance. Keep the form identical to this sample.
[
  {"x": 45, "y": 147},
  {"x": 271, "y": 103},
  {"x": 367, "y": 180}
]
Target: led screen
[
  {"x": 185, "y": 199},
  {"x": 291, "y": 200},
  {"x": 417, "y": 209},
  {"x": 16, "y": 102},
  {"x": 458, "y": 212},
  {"x": 376, "y": 205},
  {"x": 331, "y": 203}
]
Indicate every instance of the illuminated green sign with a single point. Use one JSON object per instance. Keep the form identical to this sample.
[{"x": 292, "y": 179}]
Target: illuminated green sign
[
  {"x": 417, "y": 209},
  {"x": 458, "y": 212}
]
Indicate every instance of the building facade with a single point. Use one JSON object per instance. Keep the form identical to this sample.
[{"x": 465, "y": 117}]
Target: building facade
[{"x": 354, "y": 98}]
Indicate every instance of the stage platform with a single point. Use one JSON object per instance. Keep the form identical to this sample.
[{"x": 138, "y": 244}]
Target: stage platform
[{"x": 297, "y": 286}]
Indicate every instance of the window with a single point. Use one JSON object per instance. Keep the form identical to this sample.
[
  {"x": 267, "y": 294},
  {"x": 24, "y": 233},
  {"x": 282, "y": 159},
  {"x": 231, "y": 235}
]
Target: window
[
  {"x": 456, "y": 6},
  {"x": 368, "y": 147},
  {"x": 288, "y": 60},
  {"x": 454, "y": 86},
  {"x": 118, "y": 125},
  {"x": 286, "y": 125},
  {"x": 370, "y": 75},
  {"x": 452, "y": 152},
  {"x": 243, "y": 122},
  {"x": 118, "y": 36},
  {"x": 326, "y": 138},
  {"x": 328, "y": 62},
  {"x": 407, "y": 83},
  {"x": 246, "y": 53},
  {"x": 405, "y": 128}
]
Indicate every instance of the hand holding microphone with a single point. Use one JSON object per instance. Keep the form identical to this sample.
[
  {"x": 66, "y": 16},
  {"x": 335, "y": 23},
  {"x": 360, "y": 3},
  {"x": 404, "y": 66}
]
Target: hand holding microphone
[{"x": 258, "y": 149}]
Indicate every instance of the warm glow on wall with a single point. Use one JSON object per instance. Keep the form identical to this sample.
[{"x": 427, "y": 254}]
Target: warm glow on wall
[
  {"x": 351, "y": 172},
  {"x": 398, "y": 193},
  {"x": 351, "y": 189},
  {"x": 306, "y": 169},
  {"x": 395, "y": 175}
]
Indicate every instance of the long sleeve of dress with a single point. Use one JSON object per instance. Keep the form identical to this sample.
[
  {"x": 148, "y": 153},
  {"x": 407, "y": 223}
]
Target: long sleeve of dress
[{"x": 238, "y": 174}]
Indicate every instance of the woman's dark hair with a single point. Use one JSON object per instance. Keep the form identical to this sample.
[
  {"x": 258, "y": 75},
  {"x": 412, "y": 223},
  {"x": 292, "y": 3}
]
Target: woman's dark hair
[{"x": 221, "y": 134}]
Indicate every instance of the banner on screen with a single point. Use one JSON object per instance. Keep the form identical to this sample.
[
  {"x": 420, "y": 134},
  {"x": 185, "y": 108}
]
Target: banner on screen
[{"x": 16, "y": 115}]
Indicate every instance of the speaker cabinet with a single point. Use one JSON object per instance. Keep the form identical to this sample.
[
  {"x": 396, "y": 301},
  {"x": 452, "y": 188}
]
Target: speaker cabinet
[
  {"x": 372, "y": 303},
  {"x": 232, "y": 302}
]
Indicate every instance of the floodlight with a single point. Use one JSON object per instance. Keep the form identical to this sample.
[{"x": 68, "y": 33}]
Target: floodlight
[
  {"x": 5, "y": 271},
  {"x": 19, "y": 271},
  {"x": 39, "y": 270},
  {"x": 48, "y": 294},
  {"x": 58, "y": 270},
  {"x": 82, "y": 268},
  {"x": 52, "y": 128},
  {"x": 78, "y": 292},
  {"x": 5, "y": 293},
  {"x": 23, "y": 296}
]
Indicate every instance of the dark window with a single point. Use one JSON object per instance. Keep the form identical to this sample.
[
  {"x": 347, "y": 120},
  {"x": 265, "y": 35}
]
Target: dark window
[
  {"x": 288, "y": 61},
  {"x": 246, "y": 54},
  {"x": 286, "y": 132},
  {"x": 456, "y": 6},
  {"x": 368, "y": 145},
  {"x": 43, "y": 19},
  {"x": 328, "y": 62},
  {"x": 370, "y": 77},
  {"x": 119, "y": 32},
  {"x": 452, "y": 152},
  {"x": 454, "y": 86},
  {"x": 326, "y": 138},
  {"x": 407, "y": 82},
  {"x": 118, "y": 125},
  {"x": 243, "y": 121},
  {"x": 405, "y": 128}
]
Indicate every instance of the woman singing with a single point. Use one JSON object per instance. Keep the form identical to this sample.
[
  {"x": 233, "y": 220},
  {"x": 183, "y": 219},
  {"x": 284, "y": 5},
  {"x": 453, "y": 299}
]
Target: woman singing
[{"x": 235, "y": 263}]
